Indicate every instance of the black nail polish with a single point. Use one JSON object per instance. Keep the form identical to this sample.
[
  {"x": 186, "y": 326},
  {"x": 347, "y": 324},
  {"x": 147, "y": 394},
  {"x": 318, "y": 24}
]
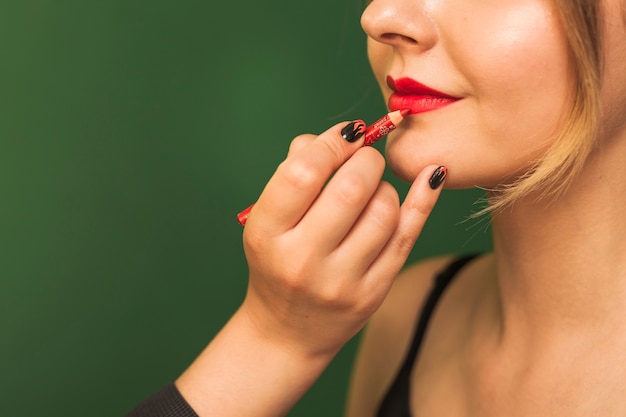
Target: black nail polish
[
  {"x": 437, "y": 178},
  {"x": 353, "y": 130}
]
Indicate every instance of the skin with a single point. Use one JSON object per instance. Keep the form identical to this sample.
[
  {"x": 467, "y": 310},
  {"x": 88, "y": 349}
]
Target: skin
[
  {"x": 492, "y": 62},
  {"x": 315, "y": 279},
  {"x": 536, "y": 328}
]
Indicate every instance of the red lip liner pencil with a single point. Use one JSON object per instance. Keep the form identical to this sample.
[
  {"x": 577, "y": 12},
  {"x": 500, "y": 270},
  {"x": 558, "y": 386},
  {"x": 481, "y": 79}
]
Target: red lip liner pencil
[
  {"x": 379, "y": 129},
  {"x": 383, "y": 126}
]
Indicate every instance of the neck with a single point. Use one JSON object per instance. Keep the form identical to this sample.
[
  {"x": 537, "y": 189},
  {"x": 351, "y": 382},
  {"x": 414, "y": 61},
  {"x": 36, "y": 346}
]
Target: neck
[{"x": 560, "y": 266}]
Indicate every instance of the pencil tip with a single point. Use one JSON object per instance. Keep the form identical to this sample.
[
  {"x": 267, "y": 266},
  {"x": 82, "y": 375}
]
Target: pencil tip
[{"x": 404, "y": 112}]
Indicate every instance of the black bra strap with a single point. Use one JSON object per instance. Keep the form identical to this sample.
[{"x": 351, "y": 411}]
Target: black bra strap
[{"x": 396, "y": 402}]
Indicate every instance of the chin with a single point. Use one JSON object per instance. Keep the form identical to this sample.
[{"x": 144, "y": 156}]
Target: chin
[
  {"x": 407, "y": 155},
  {"x": 468, "y": 167},
  {"x": 401, "y": 171},
  {"x": 404, "y": 165}
]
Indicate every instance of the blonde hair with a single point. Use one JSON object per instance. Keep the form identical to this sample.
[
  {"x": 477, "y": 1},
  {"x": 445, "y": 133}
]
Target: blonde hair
[{"x": 552, "y": 174}]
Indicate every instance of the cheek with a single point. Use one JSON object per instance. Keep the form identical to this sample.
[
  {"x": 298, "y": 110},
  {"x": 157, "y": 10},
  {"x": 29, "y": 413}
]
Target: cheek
[
  {"x": 527, "y": 35},
  {"x": 518, "y": 70}
]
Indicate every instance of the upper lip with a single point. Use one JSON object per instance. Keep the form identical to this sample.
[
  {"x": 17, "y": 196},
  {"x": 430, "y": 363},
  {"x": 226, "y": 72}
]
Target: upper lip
[{"x": 411, "y": 87}]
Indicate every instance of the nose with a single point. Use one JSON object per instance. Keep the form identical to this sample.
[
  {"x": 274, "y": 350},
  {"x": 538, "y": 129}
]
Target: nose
[{"x": 400, "y": 23}]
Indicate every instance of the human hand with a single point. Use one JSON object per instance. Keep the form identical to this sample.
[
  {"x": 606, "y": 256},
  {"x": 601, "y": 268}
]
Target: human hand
[{"x": 323, "y": 257}]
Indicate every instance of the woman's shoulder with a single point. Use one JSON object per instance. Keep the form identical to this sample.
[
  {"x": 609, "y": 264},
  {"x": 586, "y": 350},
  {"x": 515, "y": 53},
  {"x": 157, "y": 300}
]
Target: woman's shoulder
[
  {"x": 386, "y": 337},
  {"x": 405, "y": 299}
]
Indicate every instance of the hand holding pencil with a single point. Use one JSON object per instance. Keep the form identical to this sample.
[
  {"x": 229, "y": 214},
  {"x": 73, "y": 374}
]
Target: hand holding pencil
[
  {"x": 327, "y": 237},
  {"x": 373, "y": 133},
  {"x": 325, "y": 241}
]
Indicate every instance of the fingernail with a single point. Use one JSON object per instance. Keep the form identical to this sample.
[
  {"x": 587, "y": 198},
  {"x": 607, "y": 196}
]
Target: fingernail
[
  {"x": 438, "y": 176},
  {"x": 353, "y": 130}
]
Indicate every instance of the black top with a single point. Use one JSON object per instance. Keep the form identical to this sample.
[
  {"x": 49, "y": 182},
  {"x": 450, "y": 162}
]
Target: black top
[
  {"x": 168, "y": 402},
  {"x": 396, "y": 402}
]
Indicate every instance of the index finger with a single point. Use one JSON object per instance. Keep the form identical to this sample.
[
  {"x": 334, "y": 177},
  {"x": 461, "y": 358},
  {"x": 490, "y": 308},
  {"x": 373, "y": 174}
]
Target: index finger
[{"x": 300, "y": 178}]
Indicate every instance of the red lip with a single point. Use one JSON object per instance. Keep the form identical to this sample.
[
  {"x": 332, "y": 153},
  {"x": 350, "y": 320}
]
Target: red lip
[{"x": 415, "y": 96}]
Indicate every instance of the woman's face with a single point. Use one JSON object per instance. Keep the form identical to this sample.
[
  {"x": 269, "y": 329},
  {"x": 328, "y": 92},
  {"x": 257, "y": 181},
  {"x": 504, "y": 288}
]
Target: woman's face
[{"x": 502, "y": 78}]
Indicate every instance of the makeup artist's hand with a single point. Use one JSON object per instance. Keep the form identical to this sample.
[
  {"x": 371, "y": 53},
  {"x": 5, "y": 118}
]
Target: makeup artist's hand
[
  {"x": 323, "y": 252},
  {"x": 321, "y": 258}
]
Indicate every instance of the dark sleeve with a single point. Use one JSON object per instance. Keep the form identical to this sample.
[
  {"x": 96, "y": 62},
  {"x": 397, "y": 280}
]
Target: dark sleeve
[{"x": 167, "y": 402}]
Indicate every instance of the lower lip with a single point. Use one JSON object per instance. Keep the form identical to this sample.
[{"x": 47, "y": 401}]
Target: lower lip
[{"x": 418, "y": 104}]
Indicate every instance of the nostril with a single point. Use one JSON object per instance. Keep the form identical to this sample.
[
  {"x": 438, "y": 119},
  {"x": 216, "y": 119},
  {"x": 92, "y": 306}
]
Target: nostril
[{"x": 396, "y": 37}]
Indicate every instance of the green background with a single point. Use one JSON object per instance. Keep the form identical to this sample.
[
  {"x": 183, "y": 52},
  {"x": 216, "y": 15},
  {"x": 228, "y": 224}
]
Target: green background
[{"x": 131, "y": 133}]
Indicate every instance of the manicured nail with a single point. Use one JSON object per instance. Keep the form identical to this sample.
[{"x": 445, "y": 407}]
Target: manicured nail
[
  {"x": 438, "y": 176},
  {"x": 353, "y": 130}
]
